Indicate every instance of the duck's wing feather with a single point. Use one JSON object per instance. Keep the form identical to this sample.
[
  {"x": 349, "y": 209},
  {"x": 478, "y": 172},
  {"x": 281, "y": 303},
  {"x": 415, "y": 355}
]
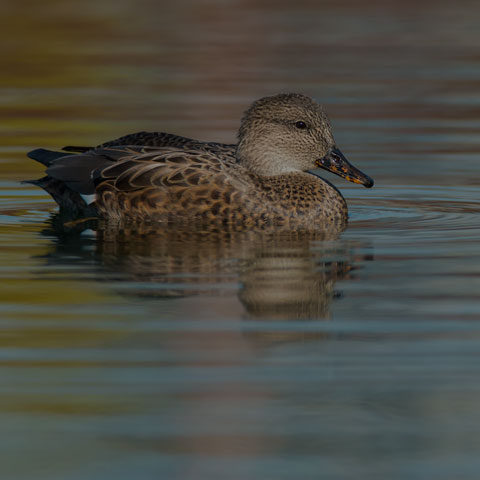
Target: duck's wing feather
[
  {"x": 128, "y": 168},
  {"x": 135, "y": 168},
  {"x": 78, "y": 172},
  {"x": 140, "y": 182},
  {"x": 170, "y": 184},
  {"x": 161, "y": 140}
]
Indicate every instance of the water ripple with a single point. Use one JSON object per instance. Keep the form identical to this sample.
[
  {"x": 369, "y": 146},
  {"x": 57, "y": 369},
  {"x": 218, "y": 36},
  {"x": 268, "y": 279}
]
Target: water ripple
[{"x": 431, "y": 210}]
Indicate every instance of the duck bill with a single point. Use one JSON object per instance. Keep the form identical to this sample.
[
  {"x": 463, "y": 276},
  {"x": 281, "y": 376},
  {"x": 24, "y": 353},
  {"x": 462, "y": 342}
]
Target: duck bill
[{"x": 335, "y": 162}]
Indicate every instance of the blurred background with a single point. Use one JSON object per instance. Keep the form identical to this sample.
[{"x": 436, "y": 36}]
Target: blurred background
[
  {"x": 87, "y": 73},
  {"x": 138, "y": 355}
]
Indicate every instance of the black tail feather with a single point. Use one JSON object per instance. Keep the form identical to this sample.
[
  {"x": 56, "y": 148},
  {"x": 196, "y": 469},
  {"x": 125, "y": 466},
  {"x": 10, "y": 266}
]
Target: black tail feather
[
  {"x": 71, "y": 203},
  {"x": 71, "y": 148},
  {"x": 46, "y": 157},
  {"x": 37, "y": 182},
  {"x": 65, "y": 191}
]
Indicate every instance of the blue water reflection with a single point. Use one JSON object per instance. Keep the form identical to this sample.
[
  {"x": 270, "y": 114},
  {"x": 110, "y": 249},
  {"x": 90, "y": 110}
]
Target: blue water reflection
[{"x": 253, "y": 356}]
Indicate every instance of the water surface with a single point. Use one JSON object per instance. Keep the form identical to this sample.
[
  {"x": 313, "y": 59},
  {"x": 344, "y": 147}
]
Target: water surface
[{"x": 152, "y": 354}]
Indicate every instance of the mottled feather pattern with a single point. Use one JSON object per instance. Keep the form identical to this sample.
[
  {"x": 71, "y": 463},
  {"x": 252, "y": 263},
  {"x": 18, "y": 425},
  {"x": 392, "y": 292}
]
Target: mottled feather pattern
[
  {"x": 264, "y": 180},
  {"x": 190, "y": 185},
  {"x": 162, "y": 140}
]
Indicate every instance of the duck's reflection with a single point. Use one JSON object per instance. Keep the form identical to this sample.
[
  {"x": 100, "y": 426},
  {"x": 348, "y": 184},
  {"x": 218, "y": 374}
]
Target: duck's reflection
[
  {"x": 204, "y": 388},
  {"x": 276, "y": 275}
]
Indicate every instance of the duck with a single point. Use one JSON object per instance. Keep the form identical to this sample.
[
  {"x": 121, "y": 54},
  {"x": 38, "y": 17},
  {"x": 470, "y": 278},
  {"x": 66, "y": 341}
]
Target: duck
[{"x": 269, "y": 177}]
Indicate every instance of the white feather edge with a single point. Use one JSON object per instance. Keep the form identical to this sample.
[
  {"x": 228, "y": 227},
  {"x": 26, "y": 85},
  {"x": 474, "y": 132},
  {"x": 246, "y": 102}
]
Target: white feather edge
[{"x": 88, "y": 199}]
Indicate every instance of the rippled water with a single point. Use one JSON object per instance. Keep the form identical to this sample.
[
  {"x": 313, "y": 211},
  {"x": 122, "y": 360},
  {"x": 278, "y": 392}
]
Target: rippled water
[{"x": 165, "y": 354}]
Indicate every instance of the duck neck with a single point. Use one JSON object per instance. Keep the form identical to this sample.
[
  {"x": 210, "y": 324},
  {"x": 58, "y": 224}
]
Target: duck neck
[{"x": 262, "y": 160}]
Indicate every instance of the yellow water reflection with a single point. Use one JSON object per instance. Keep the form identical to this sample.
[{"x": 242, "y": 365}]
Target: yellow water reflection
[
  {"x": 281, "y": 275},
  {"x": 160, "y": 356}
]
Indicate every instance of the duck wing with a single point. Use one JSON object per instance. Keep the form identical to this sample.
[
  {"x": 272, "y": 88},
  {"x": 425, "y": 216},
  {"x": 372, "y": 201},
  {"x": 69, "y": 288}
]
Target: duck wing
[
  {"x": 159, "y": 139},
  {"x": 168, "y": 184},
  {"x": 135, "y": 168},
  {"x": 139, "y": 182}
]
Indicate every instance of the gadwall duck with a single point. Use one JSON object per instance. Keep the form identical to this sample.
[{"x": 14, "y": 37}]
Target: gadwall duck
[{"x": 265, "y": 179}]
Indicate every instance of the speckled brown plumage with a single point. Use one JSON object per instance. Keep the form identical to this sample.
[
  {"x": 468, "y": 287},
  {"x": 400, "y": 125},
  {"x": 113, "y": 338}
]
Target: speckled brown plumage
[
  {"x": 264, "y": 180},
  {"x": 199, "y": 187}
]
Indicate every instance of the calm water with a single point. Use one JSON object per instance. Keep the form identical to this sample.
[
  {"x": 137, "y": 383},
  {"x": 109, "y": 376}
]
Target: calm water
[{"x": 160, "y": 354}]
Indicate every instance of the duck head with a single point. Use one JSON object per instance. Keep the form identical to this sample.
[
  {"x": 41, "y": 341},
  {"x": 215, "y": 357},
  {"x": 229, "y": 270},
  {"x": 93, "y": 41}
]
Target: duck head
[{"x": 290, "y": 133}]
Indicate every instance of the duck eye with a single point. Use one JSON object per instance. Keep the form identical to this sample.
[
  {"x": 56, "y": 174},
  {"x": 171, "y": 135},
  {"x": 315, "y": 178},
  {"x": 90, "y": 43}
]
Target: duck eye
[{"x": 301, "y": 125}]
